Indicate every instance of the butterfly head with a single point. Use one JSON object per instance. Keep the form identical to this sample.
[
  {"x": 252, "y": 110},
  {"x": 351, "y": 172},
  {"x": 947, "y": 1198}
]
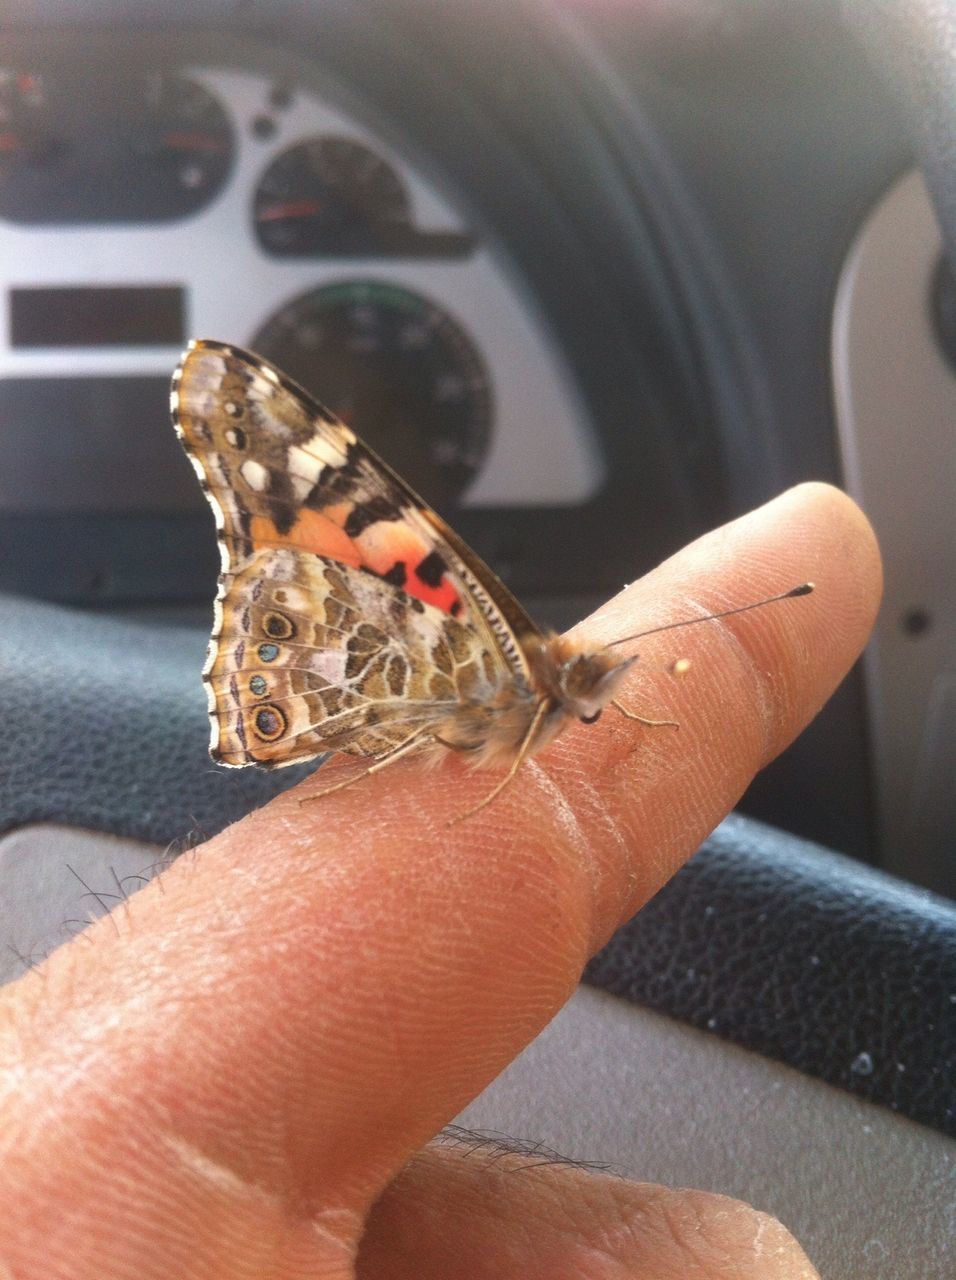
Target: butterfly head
[{"x": 581, "y": 681}]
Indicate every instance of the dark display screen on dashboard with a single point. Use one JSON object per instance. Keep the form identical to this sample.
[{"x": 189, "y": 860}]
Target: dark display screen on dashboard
[{"x": 87, "y": 317}]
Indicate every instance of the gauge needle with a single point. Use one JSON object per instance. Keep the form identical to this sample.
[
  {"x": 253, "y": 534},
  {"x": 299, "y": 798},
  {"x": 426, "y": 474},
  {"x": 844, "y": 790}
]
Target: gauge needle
[{"x": 291, "y": 209}]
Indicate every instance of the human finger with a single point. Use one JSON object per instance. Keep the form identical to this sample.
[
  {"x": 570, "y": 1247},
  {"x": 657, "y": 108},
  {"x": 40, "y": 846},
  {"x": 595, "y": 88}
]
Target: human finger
[{"x": 254, "y": 1048}]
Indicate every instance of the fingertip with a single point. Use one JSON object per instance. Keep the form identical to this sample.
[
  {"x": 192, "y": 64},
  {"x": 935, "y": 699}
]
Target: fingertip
[{"x": 838, "y": 535}]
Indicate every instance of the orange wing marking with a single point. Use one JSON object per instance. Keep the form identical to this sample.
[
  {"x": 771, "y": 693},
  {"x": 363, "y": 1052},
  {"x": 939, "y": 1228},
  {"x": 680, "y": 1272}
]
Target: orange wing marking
[{"x": 313, "y": 531}]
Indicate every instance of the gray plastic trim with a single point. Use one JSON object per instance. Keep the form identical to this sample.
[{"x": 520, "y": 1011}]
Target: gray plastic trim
[
  {"x": 866, "y": 1193},
  {"x": 55, "y": 880},
  {"x": 896, "y": 419}
]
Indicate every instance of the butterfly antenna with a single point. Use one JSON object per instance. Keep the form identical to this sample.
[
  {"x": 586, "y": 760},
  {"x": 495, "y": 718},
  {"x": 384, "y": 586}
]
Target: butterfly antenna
[{"x": 803, "y": 590}]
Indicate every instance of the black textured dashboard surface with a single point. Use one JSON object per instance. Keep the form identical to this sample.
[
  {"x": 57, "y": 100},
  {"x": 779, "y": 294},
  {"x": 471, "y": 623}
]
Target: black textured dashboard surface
[
  {"x": 108, "y": 729},
  {"x": 807, "y": 957},
  {"x": 781, "y": 946}
]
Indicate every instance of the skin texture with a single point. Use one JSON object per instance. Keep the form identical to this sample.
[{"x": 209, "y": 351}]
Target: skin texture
[{"x": 238, "y": 1075}]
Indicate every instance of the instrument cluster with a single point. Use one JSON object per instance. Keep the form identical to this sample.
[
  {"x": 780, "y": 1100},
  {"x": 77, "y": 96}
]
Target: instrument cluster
[{"x": 141, "y": 205}]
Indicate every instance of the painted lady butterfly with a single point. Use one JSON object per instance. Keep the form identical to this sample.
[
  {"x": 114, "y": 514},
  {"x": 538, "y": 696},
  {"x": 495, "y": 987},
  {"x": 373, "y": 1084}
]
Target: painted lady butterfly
[{"x": 350, "y": 617}]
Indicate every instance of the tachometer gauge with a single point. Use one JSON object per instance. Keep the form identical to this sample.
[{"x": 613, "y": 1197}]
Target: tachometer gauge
[
  {"x": 398, "y": 369},
  {"x": 334, "y": 197},
  {"x": 114, "y": 147},
  {"x": 182, "y": 135}
]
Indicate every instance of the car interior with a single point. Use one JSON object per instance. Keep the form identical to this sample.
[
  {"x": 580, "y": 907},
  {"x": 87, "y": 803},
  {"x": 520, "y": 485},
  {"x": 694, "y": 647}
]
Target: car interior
[{"x": 594, "y": 276}]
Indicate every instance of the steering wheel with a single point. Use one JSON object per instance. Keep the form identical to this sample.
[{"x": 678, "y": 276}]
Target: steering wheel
[{"x": 914, "y": 44}]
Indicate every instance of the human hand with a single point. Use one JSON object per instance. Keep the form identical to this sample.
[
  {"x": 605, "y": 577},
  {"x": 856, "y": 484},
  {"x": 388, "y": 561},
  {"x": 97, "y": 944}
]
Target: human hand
[{"x": 237, "y": 1076}]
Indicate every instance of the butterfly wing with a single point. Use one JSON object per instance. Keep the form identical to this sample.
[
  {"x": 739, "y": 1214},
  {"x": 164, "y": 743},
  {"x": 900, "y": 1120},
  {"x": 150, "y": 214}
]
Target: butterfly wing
[
  {"x": 316, "y": 655},
  {"x": 297, "y": 496}
]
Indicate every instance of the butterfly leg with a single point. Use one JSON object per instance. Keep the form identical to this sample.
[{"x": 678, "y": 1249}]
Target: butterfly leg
[
  {"x": 632, "y": 715},
  {"x": 520, "y": 756},
  {"x": 381, "y": 762}
]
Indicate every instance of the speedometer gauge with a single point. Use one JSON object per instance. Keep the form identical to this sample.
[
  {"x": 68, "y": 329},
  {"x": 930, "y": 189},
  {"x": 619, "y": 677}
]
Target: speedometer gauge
[
  {"x": 331, "y": 196},
  {"x": 398, "y": 369}
]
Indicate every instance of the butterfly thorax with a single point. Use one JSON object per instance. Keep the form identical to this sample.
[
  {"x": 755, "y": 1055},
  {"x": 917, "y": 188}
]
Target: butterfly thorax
[{"x": 567, "y": 681}]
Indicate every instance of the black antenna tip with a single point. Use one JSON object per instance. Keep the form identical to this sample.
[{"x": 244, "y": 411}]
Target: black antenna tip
[{"x": 803, "y": 590}]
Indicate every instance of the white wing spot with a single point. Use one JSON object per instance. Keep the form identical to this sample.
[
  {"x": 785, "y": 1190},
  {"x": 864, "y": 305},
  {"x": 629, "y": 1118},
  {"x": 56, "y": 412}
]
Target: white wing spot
[
  {"x": 255, "y": 475},
  {"x": 305, "y": 465},
  {"x": 212, "y": 364},
  {"x": 324, "y": 451}
]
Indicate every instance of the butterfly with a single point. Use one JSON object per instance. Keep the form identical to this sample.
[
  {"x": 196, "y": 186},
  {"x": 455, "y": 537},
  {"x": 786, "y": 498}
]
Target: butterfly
[{"x": 350, "y": 618}]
